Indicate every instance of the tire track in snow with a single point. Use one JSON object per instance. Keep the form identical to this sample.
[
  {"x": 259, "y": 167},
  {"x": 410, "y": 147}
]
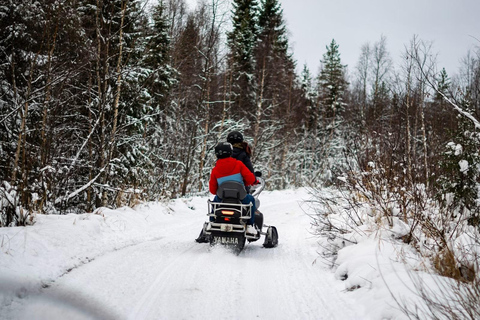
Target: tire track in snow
[
  {"x": 143, "y": 308},
  {"x": 176, "y": 278}
]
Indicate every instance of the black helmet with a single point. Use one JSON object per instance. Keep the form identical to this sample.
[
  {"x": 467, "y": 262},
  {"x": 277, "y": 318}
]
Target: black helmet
[
  {"x": 223, "y": 150},
  {"x": 234, "y": 137}
]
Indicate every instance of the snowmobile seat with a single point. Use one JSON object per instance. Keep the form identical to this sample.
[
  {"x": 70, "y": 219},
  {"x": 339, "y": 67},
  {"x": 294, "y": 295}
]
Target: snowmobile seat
[{"x": 231, "y": 192}]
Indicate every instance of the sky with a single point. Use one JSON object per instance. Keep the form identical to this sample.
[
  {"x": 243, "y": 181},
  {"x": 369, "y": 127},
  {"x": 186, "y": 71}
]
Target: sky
[{"x": 452, "y": 25}]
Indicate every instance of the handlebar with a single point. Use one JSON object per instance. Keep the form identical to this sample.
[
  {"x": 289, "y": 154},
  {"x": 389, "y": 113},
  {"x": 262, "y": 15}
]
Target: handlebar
[{"x": 256, "y": 189}]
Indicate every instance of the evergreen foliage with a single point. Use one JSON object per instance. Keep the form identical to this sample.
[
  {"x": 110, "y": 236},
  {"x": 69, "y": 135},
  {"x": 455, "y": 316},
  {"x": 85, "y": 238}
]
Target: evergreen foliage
[
  {"x": 332, "y": 83},
  {"x": 332, "y": 87},
  {"x": 443, "y": 85},
  {"x": 242, "y": 41},
  {"x": 272, "y": 29},
  {"x": 107, "y": 104},
  {"x": 458, "y": 185}
]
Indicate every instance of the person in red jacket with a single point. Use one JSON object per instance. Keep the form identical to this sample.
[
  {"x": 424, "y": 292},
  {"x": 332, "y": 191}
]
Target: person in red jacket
[{"x": 231, "y": 169}]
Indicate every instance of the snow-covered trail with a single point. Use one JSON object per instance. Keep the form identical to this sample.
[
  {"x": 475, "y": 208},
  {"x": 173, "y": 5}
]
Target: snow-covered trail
[{"x": 173, "y": 277}]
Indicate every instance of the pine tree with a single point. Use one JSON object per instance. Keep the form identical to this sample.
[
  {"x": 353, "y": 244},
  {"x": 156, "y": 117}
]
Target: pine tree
[
  {"x": 242, "y": 41},
  {"x": 460, "y": 165},
  {"x": 332, "y": 89},
  {"x": 156, "y": 57},
  {"x": 274, "y": 64},
  {"x": 22, "y": 26},
  {"x": 443, "y": 85},
  {"x": 21, "y": 42},
  {"x": 50, "y": 30},
  {"x": 272, "y": 29},
  {"x": 332, "y": 83},
  {"x": 310, "y": 96},
  {"x": 276, "y": 85}
]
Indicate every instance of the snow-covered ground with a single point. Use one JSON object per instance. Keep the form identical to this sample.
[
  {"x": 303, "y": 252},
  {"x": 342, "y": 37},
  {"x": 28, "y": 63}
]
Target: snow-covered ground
[{"x": 143, "y": 263}]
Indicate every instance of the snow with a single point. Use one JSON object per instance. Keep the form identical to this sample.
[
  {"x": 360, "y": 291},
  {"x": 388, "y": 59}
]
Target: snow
[
  {"x": 463, "y": 166},
  {"x": 143, "y": 263}
]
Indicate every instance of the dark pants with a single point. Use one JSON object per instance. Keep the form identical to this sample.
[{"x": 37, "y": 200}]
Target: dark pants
[{"x": 248, "y": 199}]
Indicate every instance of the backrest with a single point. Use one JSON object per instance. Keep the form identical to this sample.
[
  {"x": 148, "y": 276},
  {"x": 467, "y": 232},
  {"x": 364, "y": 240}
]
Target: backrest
[{"x": 231, "y": 190}]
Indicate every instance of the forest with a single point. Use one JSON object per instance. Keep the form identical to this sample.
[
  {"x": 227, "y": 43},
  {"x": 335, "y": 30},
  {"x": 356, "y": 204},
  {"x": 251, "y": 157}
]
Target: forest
[
  {"x": 111, "y": 103},
  {"x": 115, "y": 102}
]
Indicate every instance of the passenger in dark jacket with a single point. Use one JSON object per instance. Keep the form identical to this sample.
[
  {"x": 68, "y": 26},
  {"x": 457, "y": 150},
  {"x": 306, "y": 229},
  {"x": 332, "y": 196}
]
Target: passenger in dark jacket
[{"x": 241, "y": 149}]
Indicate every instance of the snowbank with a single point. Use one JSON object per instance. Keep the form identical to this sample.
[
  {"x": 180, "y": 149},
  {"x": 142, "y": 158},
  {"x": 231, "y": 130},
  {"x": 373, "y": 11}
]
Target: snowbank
[
  {"x": 375, "y": 268},
  {"x": 35, "y": 256},
  {"x": 382, "y": 272}
]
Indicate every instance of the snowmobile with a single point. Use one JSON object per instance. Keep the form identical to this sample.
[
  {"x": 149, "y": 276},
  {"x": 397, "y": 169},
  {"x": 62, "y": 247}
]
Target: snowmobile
[{"x": 228, "y": 218}]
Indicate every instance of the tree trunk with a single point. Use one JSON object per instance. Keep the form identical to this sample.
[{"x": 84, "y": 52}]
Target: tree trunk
[
  {"x": 424, "y": 137},
  {"x": 117, "y": 99},
  {"x": 101, "y": 98},
  {"x": 21, "y": 141},
  {"x": 258, "y": 114}
]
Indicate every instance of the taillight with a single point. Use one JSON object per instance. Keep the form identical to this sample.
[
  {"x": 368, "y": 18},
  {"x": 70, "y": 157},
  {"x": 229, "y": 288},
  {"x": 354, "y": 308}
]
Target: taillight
[{"x": 227, "y": 212}]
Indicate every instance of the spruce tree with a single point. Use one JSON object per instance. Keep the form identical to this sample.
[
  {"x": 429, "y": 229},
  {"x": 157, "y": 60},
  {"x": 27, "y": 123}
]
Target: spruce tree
[
  {"x": 332, "y": 87},
  {"x": 276, "y": 80},
  {"x": 242, "y": 41},
  {"x": 274, "y": 64},
  {"x": 332, "y": 83},
  {"x": 458, "y": 183},
  {"x": 23, "y": 26},
  {"x": 443, "y": 85},
  {"x": 273, "y": 31},
  {"x": 310, "y": 97},
  {"x": 156, "y": 57}
]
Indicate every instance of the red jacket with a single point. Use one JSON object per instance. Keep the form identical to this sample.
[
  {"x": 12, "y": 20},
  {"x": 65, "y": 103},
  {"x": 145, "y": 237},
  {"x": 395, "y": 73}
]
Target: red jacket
[{"x": 230, "y": 169}]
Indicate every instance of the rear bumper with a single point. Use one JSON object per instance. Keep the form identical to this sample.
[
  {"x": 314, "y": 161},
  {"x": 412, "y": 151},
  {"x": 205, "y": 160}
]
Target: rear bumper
[{"x": 225, "y": 227}]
